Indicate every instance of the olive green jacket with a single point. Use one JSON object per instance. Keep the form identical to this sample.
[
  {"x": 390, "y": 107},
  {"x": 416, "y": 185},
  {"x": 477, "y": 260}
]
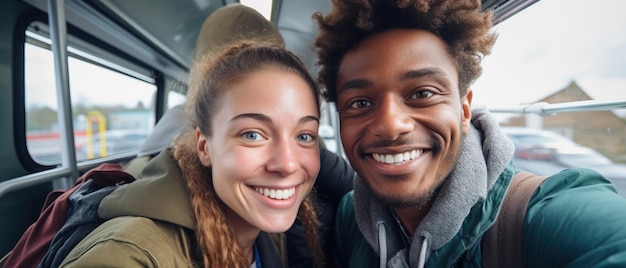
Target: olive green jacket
[{"x": 151, "y": 224}]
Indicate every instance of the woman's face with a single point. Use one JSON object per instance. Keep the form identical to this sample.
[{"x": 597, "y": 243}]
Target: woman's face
[{"x": 263, "y": 151}]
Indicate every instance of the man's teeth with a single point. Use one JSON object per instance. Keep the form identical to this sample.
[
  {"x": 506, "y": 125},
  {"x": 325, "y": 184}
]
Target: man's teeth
[
  {"x": 277, "y": 193},
  {"x": 397, "y": 158}
]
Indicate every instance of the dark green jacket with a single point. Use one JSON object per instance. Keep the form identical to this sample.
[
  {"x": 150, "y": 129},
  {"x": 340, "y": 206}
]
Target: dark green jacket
[{"x": 575, "y": 219}]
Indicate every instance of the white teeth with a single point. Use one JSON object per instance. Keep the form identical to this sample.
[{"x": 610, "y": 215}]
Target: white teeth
[
  {"x": 277, "y": 193},
  {"x": 396, "y": 159}
]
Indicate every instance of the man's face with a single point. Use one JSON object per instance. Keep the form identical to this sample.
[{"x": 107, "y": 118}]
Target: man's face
[{"x": 402, "y": 118}]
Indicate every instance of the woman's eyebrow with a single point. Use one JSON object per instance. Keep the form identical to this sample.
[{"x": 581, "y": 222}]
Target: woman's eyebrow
[
  {"x": 309, "y": 118},
  {"x": 256, "y": 116},
  {"x": 262, "y": 117}
]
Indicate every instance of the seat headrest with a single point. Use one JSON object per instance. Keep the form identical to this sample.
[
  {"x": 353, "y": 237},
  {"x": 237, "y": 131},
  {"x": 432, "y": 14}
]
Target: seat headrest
[{"x": 171, "y": 124}]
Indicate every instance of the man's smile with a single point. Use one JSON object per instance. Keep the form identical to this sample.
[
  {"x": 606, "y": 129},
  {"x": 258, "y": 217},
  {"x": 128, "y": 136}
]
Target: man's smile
[{"x": 399, "y": 158}]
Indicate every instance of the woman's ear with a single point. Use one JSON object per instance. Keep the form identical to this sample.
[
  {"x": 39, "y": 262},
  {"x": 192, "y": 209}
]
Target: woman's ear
[{"x": 202, "y": 148}]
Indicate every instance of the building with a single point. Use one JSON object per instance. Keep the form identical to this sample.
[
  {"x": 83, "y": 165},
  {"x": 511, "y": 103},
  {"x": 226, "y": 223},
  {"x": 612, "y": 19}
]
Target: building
[{"x": 604, "y": 131}]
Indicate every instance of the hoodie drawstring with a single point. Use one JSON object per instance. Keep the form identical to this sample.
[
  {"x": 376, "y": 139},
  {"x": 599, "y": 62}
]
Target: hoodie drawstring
[
  {"x": 382, "y": 244},
  {"x": 422, "y": 259}
]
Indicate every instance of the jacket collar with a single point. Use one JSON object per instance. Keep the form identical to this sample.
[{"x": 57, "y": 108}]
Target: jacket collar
[{"x": 159, "y": 193}]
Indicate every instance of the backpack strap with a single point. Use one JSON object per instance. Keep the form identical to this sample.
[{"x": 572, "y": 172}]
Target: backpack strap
[
  {"x": 35, "y": 241},
  {"x": 502, "y": 243},
  {"x": 4, "y": 259}
]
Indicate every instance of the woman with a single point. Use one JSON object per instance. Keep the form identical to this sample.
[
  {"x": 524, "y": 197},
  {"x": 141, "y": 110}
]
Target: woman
[{"x": 244, "y": 170}]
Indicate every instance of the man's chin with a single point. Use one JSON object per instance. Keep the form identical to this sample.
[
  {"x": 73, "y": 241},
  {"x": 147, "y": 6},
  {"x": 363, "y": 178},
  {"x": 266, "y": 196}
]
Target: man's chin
[
  {"x": 396, "y": 201},
  {"x": 401, "y": 200}
]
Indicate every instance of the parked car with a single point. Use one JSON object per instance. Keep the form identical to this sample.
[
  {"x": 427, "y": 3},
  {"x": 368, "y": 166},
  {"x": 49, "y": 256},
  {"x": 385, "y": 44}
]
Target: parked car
[
  {"x": 546, "y": 152},
  {"x": 115, "y": 141}
]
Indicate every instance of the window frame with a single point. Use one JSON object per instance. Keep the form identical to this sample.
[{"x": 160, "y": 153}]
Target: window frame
[{"x": 90, "y": 45}]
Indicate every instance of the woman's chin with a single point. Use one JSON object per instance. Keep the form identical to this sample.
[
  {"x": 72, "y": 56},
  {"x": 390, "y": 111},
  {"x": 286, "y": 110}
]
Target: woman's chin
[{"x": 277, "y": 225}]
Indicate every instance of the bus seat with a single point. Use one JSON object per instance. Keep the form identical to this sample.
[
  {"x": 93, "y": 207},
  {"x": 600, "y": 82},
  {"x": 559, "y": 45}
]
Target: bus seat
[{"x": 171, "y": 124}]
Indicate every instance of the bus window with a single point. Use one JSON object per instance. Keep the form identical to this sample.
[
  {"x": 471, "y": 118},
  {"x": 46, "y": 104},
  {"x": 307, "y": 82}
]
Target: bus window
[
  {"x": 175, "y": 98},
  {"x": 113, "y": 110},
  {"x": 571, "y": 72}
]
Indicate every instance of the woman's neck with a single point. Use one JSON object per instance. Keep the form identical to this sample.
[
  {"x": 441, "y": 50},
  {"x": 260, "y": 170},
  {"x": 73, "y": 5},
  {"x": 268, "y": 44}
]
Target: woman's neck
[{"x": 244, "y": 232}]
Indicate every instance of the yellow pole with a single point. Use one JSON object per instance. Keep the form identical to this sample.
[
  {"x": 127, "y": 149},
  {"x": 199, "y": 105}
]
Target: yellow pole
[{"x": 96, "y": 116}]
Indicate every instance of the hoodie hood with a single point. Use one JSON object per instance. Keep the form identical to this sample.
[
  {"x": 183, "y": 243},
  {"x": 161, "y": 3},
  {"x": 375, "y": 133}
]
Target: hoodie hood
[
  {"x": 484, "y": 155},
  {"x": 159, "y": 193},
  {"x": 235, "y": 23}
]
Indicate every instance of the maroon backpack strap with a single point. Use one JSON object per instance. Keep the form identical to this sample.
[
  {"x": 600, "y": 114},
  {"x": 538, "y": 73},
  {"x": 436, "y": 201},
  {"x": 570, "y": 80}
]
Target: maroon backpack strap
[
  {"x": 502, "y": 243},
  {"x": 4, "y": 259},
  {"x": 34, "y": 243}
]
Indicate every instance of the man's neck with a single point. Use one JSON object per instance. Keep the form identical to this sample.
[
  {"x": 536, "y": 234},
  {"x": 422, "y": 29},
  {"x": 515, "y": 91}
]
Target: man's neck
[{"x": 410, "y": 218}]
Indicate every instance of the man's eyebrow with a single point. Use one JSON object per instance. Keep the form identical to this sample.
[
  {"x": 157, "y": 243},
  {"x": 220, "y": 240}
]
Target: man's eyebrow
[
  {"x": 434, "y": 73},
  {"x": 356, "y": 83}
]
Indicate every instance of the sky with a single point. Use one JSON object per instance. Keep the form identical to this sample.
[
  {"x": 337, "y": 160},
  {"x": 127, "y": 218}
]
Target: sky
[{"x": 552, "y": 43}]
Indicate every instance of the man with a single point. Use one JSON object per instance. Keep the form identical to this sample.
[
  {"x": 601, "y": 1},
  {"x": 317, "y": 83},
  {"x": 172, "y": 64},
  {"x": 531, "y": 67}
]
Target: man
[{"x": 432, "y": 172}]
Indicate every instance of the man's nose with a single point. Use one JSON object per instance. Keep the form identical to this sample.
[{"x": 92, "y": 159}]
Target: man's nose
[{"x": 391, "y": 119}]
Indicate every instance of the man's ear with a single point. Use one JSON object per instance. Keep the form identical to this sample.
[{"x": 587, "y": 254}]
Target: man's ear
[
  {"x": 466, "y": 107},
  {"x": 202, "y": 148}
]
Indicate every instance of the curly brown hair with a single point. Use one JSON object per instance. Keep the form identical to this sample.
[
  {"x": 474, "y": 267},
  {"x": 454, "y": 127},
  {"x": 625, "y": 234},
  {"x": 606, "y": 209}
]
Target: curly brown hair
[{"x": 460, "y": 23}]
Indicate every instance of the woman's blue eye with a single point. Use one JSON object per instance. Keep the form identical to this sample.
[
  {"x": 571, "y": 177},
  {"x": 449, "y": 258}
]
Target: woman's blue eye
[
  {"x": 305, "y": 137},
  {"x": 251, "y": 135}
]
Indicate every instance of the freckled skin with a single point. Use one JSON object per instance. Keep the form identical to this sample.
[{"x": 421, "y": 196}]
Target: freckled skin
[{"x": 397, "y": 91}]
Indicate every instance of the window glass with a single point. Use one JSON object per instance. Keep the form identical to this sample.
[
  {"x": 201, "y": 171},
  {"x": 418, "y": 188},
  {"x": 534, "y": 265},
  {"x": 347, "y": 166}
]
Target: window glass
[
  {"x": 561, "y": 51},
  {"x": 112, "y": 111},
  {"x": 175, "y": 98},
  {"x": 262, "y": 6}
]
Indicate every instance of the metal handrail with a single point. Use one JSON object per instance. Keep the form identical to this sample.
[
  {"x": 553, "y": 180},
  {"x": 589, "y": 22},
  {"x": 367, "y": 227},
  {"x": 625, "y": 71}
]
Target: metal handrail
[
  {"x": 68, "y": 168},
  {"x": 544, "y": 108},
  {"x": 59, "y": 172},
  {"x": 33, "y": 179},
  {"x": 58, "y": 36}
]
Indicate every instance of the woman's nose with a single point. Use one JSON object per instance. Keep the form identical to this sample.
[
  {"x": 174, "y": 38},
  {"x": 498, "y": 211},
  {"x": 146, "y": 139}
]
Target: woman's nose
[{"x": 284, "y": 159}]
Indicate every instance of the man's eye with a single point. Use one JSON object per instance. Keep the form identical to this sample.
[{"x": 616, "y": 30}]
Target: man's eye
[
  {"x": 360, "y": 104},
  {"x": 251, "y": 135},
  {"x": 305, "y": 137},
  {"x": 422, "y": 94}
]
